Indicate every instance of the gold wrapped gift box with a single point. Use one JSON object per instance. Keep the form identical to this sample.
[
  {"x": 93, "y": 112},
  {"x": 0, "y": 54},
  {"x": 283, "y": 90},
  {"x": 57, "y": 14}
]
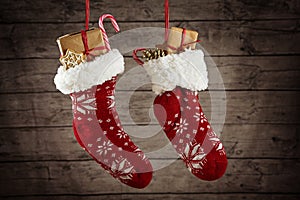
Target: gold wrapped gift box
[
  {"x": 71, "y": 46},
  {"x": 175, "y": 37},
  {"x": 74, "y": 41},
  {"x": 173, "y": 45}
]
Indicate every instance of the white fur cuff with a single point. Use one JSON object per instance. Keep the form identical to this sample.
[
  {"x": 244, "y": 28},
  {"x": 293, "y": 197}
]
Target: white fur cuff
[
  {"x": 187, "y": 70},
  {"x": 86, "y": 75}
]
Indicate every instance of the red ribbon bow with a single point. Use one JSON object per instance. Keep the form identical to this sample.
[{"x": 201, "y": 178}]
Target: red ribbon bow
[
  {"x": 84, "y": 35},
  {"x": 182, "y": 44},
  {"x": 179, "y": 49}
]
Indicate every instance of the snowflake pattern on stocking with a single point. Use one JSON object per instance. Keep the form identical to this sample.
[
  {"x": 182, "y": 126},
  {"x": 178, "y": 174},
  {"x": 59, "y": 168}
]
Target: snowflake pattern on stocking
[
  {"x": 216, "y": 142},
  {"x": 105, "y": 147},
  {"x": 121, "y": 134},
  {"x": 200, "y": 117},
  {"x": 140, "y": 154},
  {"x": 111, "y": 102},
  {"x": 122, "y": 169},
  {"x": 193, "y": 156},
  {"x": 181, "y": 126},
  {"x": 84, "y": 103}
]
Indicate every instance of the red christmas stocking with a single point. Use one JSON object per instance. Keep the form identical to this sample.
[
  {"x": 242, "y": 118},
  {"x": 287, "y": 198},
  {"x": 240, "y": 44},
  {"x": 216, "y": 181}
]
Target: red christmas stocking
[
  {"x": 96, "y": 124},
  {"x": 177, "y": 78}
]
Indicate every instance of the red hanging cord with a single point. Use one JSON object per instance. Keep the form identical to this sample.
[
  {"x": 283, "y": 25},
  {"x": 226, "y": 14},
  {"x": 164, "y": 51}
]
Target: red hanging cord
[
  {"x": 85, "y": 41},
  {"x": 167, "y": 19},
  {"x": 83, "y": 33},
  {"x": 87, "y": 14}
]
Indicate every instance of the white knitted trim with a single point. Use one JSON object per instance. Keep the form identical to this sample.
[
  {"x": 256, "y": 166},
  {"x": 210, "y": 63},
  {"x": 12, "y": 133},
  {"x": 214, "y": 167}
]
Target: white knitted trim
[
  {"x": 187, "y": 70},
  {"x": 86, "y": 75}
]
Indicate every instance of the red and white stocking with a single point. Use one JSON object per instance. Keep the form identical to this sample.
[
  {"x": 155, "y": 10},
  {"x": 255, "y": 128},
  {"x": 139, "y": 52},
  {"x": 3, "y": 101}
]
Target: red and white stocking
[
  {"x": 96, "y": 124},
  {"x": 177, "y": 78}
]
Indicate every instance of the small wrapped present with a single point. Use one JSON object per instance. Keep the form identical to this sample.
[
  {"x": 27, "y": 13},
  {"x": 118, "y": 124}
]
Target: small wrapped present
[
  {"x": 73, "y": 50},
  {"x": 175, "y": 43}
]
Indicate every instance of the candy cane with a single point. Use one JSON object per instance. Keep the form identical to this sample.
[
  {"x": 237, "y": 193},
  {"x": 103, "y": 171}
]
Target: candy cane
[
  {"x": 135, "y": 56},
  {"x": 101, "y": 26}
]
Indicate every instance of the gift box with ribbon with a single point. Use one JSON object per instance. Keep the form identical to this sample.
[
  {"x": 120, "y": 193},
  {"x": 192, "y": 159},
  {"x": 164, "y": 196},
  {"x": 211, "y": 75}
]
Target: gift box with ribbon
[
  {"x": 180, "y": 39},
  {"x": 76, "y": 47}
]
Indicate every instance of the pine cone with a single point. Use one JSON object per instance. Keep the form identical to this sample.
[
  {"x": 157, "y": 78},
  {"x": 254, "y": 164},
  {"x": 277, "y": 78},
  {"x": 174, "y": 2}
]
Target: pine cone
[{"x": 150, "y": 54}]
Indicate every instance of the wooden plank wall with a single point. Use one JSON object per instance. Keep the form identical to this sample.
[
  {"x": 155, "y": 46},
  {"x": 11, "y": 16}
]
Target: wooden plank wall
[{"x": 255, "y": 45}]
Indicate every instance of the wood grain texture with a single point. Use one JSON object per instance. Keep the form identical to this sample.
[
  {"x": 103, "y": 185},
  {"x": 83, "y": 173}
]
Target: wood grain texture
[
  {"x": 38, "y": 144},
  {"x": 148, "y": 10},
  {"x": 75, "y": 178},
  {"x": 185, "y": 196},
  {"x": 54, "y": 109},
  {"x": 218, "y": 38},
  {"x": 238, "y": 73}
]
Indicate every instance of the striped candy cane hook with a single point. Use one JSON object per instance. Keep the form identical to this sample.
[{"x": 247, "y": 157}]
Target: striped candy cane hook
[{"x": 101, "y": 26}]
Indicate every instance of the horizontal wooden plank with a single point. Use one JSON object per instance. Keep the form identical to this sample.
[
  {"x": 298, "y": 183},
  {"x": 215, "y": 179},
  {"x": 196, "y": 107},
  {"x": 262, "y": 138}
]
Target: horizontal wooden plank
[
  {"x": 218, "y": 38},
  {"x": 250, "y": 141},
  {"x": 238, "y": 73},
  {"x": 147, "y": 10},
  {"x": 87, "y": 177},
  {"x": 186, "y": 196},
  {"x": 54, "y": 109}
]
